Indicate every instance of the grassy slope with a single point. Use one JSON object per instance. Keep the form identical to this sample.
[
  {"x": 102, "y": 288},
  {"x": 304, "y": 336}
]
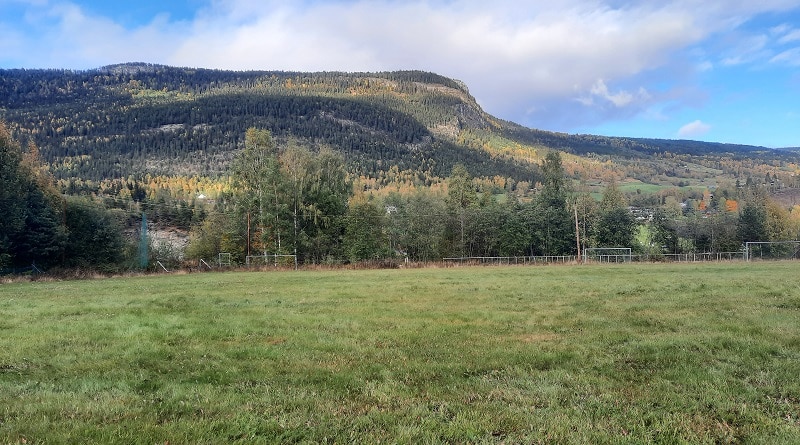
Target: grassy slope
[{"x": 661, "y": 353}]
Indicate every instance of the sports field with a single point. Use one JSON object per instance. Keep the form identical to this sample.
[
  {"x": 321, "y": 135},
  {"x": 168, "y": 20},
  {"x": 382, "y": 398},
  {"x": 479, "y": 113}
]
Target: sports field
[{"x": 653, "y": 353}]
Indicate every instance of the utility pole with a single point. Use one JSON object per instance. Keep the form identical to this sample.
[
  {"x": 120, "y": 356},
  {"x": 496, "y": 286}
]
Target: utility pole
[
  {"x": 577, "y": 233},
  {"x": 248, "y": 233}
]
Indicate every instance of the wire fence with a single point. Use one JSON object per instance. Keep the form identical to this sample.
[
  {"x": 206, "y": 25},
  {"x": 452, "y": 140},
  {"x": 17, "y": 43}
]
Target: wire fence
[
  {"x": 552, "y": 259},
  {"x": 772, "y": 250},
  {"x": 620, "y": 258},
  {"x": 289, "y": 261},
  {"x": 30, "y": 270},
  {"x": 690, "y": 257},
  {"x": 272, "y": 260}
]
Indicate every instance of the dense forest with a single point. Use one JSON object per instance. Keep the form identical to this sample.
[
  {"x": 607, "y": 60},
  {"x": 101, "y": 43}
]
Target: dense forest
[
  {"x": 141, "y": 119},
  {"x": 138, "y": 119},
  {"x": 363, "y": 166}
]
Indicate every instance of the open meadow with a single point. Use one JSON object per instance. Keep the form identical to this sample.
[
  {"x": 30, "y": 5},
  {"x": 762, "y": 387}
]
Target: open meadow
[{"x": 650, "y": 353}]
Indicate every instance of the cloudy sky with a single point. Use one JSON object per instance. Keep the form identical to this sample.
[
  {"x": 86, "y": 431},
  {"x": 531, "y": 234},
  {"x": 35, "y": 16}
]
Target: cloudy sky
[{"x": 714, "y": 70}]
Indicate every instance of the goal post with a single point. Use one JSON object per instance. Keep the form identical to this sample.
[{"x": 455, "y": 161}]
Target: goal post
[
  {"x": 224, "y": 259},
  {"x": 607, "y": 254},
  {"x": 772, "y": 250}
]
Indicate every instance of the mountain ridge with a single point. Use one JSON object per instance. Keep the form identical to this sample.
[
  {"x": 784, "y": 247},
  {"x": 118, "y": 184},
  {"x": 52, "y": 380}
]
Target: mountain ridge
[{"x": 113, "y": 121}]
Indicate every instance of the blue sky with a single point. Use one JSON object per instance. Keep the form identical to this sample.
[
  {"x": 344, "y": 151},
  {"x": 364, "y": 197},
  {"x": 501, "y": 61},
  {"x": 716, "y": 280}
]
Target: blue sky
[{"x": 712, "y": 70}]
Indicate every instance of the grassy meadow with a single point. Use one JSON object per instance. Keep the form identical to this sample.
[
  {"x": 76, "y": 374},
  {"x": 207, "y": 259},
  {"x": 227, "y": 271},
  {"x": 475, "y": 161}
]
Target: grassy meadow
[{"x": 693, "y": 353}]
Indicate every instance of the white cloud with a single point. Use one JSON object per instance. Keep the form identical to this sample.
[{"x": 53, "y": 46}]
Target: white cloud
[
  {"x": 791, "y": 36},
  {"x": 705, "y": 66},
  {"x": 789, "y": 57},
  {"x": 620, "y": 99},
  {"x": 747, "y": 50},
  {"x": 58, "y": 34},
  {"x": 694, "y": 129},
  {"x": 780, "y": 29}
]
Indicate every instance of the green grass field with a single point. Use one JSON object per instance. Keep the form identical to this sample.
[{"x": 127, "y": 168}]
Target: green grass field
[{"x": 699, "y": 353}]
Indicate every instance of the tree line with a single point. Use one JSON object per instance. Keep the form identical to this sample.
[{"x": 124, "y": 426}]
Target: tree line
[
  {"x": 288, "y": 198},
  {"x": 41, "y": 228},
  {"x": 467, "y": 219}
]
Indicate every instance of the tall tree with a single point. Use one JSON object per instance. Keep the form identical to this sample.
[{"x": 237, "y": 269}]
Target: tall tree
[
  {"x": 553, "y": 231},
  {"x": 663, "y": 233},
  {"x": 423, "y": 220},
  {"x": 724, "y": 232},
  {"x": 94, "y": 236},
  {"x": 31, "y": 230},
  {"x": 777, "y": 222},
  {"x": 364, "y": 236},
  {"x": 515, "y": 232},
  {"x": 460, "y": 197},
  {"x": 297, "y": 165},
  {"x": 753, "y": 222},
  {"x": 486, "y": 221},
  {"x": 327, "y": 192},
  {"x": 586, "y": 208},
  {"x": 42, "y": 239},
  {"x": 12, "y": 187},
  {"x": 616, "y": 226},
  {"x": 296, "y": 198},
  {"x": 260, "y": 188}
]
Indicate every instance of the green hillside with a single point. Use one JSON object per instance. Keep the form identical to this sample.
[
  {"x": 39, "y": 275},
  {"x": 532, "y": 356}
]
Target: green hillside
[
  {"x": 346, "y": 167},
  {"x": 136, "y": 119}
]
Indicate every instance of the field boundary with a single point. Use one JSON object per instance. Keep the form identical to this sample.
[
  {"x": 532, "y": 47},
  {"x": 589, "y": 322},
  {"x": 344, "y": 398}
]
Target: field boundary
[{"x": 570, "y": 259}]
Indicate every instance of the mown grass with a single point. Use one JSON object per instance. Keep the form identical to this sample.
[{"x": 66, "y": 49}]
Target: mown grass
[{"x": 570, "y": 354}]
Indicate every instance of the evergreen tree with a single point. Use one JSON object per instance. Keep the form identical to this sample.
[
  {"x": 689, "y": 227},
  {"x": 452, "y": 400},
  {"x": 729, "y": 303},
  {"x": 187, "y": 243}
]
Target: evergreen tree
[
  {"x": 12, "y": 187},
  {"x": 364, "y": 237},
  {"x": 514, "y": 236},
  {"x": 615, "y": 226},
  {"x": 460, "y": 197},
  {"x": 663, "y": 233},
  {"x": 31, "y": 230},
  {"x": 325, "y": 198},
  {"x": 94, "y": 236},
  {"x": 553, "y": 226},
  {"x": 41, "y": 241},
  {"x": 753, "y": 223}
]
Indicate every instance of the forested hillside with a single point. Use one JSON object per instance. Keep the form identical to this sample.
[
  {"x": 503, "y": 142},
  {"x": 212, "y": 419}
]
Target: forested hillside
[
  {"x": 141, "y": 119},
  {"x": 334, "y": 167},
  {"x": 138, "y": 119}
]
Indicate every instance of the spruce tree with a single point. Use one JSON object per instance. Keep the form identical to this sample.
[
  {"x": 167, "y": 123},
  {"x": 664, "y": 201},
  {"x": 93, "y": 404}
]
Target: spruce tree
[
  {"x": 31, "y": 229},
  {"x": 553, "y": 226},
  {"x": 615, "y": 226},
  {"x": 11, "y": 191}
]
